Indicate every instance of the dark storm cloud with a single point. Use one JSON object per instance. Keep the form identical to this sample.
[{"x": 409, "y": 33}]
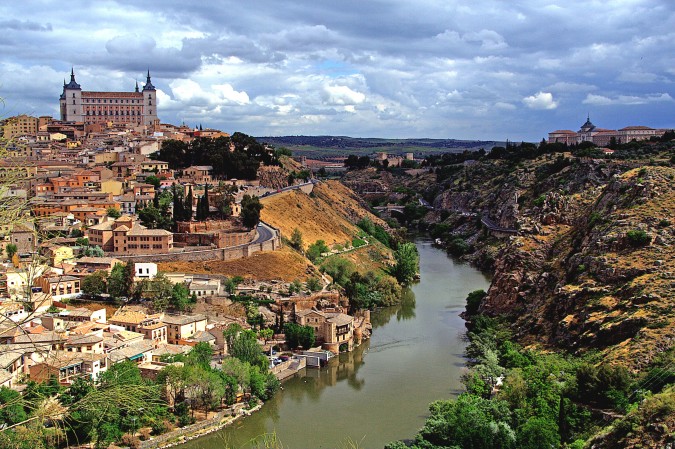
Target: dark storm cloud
[{"x": 437, "y": 68}]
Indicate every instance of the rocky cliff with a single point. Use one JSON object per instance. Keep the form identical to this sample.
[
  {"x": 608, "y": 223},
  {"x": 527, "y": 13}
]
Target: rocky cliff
[{"x": 589, "y": 262}]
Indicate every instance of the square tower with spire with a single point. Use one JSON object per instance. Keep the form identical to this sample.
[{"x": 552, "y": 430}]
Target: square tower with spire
[{"x": 88, "y": 107}]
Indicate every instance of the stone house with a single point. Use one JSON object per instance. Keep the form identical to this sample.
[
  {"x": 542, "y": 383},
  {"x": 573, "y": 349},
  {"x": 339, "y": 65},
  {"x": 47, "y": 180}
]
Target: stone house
[
  {"x": 182, "y": 327},
  {"x": 332, "y": 329}
]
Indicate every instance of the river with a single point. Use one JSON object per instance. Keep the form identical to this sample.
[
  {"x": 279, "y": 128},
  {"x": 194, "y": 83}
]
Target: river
[{"x": 380, "y": 392}]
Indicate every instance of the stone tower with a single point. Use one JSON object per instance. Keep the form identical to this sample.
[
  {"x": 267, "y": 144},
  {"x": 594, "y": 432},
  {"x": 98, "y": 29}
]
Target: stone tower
[
  {"x": 71, "y": 100},
  {"x": 149, "y": 102}
]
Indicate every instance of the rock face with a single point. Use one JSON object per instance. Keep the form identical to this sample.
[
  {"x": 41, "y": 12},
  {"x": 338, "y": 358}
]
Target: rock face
[{"x": 591, "y": 265}]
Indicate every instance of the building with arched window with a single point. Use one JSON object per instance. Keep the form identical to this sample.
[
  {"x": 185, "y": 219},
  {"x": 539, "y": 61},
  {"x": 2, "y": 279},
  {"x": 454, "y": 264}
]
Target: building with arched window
[{"x": 135, "y": 108}]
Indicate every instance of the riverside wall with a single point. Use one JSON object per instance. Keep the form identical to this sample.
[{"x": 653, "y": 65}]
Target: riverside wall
[{"x": 200, "y": 255}]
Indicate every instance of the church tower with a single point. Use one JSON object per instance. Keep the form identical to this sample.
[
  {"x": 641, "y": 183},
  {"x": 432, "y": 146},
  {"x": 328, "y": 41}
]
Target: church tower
[
  {"x": 149, "y": 102},
  {"x": 71, "y": 100}
]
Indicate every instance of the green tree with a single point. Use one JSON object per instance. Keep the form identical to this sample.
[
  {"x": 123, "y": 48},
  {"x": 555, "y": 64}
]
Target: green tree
[
  {"x": 245, "y": 347},
  {"x": 11, "y": 249},
  {"x": 187, "y": 207},
  {"x": 313, "y": 284},
  {"x": 180, "y": 297},
  {"x": 178, "y": 205},
  {"x": 250, "y": 211},
  {"x": 315, "y": 250},
  {"x": 339, "y": 269},
  {"x": 230, "y": 332},
  {"x": 407, "y": 263},
  {"x": 201, "y": 354},
  {"x": 266, "y": 334},
  {"x": 538, "y": 433},
  {"x": 153, "y": 180},
  {"x": 11, "y": 407},
  {"x": 296, "y": 239},
  {"x": 150, "y": 217},
  {"x": 161, "y": 291},
  {"x": 95, "y": 283},
  {"x": 297, "y": 335},
  {"x": 113, "y": 212},
  {"x": 117, "y": 284},
  {"x": 94, "y": 251},
  {"x": 473, "y": 301}
]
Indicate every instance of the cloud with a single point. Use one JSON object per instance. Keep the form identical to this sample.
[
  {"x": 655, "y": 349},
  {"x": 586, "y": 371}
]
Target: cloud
[
  {"x": 342, "y": 95},
  {"x": 601, "y": 100},
  {"x": 426, "y": 68},
  {"x": 24, "y": 25},
  {"x": 191, "y": 93},
  {"x": 540, "y": 100}
]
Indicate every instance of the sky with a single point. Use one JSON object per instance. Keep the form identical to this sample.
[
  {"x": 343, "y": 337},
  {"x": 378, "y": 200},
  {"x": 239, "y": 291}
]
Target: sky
[{"x": 462, "y": 69}]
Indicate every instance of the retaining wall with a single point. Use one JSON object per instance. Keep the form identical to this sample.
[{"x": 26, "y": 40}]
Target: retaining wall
[{"x": 230, "y": 253}]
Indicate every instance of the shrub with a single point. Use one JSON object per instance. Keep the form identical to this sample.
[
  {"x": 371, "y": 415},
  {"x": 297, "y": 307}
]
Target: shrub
[
  {"x": 638, "y": 237},
  {"x": 539, "y": 201},
  {"x": 594, "y": 219},
  {"x": 357, "y": 242},
  {"x": 473, "y": 301},
  {"x": 458, "y": 246}
]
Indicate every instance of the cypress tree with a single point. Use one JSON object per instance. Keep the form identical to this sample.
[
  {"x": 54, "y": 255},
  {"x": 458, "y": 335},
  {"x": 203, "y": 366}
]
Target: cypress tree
[
  {"x": 206, "y": 206},
  {"x": 188, "y": 206},
  {"x": 178, "y": 212}
]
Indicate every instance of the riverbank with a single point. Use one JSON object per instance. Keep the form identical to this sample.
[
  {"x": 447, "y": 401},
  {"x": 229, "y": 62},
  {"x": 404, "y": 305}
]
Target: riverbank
[
  {"x": 188, "y": 433},
  {"x": 380, "y": 379}
]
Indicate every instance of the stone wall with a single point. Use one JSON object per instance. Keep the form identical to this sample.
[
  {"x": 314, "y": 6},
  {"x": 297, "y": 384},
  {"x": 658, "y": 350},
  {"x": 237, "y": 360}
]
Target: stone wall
[{"x": 200, "y": 255}]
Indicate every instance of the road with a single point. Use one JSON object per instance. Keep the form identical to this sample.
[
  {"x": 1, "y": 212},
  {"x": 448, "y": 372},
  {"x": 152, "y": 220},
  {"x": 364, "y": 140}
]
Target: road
[{"x": 265, "y": 233}]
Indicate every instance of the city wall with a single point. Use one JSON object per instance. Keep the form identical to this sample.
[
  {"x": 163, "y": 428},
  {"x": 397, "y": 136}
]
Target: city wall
[{"x": 206, "y": 254}]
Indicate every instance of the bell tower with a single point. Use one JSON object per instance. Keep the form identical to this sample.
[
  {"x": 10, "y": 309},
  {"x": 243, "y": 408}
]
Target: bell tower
[
  {"x": 71, "y": 100},
  {"x": 149, "y": 102}
]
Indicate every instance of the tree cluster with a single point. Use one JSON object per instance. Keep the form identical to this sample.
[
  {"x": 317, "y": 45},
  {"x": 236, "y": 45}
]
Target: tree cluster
[
  {"x": 544, "y": 400},
  {"x": 355, "y": 162},
  {"x": 238, "y": 156},
  {"x": 297, "y": 335},
  {"x": 250, "y": 211}
]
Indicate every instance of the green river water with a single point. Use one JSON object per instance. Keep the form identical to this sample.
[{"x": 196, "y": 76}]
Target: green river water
[{"x": 380, "y": 392}]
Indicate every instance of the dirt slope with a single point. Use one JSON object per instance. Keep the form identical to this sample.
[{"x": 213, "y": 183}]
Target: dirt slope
[
  {"x": 285, "y": 265},
  {"x": 328, "y": 214}
]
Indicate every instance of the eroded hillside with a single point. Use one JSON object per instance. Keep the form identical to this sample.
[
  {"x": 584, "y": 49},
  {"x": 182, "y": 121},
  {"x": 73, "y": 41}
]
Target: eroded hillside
[{"x": 589, "y": 265}]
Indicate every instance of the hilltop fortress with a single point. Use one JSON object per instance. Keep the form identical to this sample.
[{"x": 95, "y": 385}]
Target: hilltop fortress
[
  {"x": 603, "y": 137},
  {"x": 138, "y": 107}
]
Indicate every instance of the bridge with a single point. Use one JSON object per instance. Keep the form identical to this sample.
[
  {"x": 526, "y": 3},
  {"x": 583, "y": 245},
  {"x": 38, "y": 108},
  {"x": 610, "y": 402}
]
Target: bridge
[
  {"x": 495, "y": 228},
  {"x": 390, "y": 208}
]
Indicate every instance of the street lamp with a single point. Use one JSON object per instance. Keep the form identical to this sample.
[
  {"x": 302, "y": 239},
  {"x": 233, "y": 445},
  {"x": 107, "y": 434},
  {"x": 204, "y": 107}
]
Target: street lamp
[{"x": 133, "y": 426}]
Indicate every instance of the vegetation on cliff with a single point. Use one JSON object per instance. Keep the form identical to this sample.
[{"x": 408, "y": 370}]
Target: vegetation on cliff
[{"x": 585, "y": 269}]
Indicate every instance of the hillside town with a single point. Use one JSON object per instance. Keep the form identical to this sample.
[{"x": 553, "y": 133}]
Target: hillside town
[{"x": 95, "y": 211}]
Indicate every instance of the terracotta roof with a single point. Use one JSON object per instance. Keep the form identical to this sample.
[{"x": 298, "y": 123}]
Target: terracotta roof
[
  {"x": 150, "y": 232},
  {"x": 88, "y": 339},
  {"x": 183, "y": 319},
  {"x": 131, "y": 351},
  {"x": 128, "y": 316},
  {"x": 340, "y": 319},
  {"x": 634, "y": 128}
]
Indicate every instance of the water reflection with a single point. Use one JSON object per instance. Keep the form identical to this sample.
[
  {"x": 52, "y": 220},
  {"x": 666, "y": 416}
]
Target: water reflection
[
  {"x": 381, "y": 391},
  {"x": 403, "y": 311},
  {"x": 343, "y": 367}
]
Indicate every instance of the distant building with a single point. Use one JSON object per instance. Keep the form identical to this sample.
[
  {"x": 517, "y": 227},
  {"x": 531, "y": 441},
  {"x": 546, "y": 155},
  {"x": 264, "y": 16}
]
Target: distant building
[
  {"x": 333, "y": 329},
  {"x": 125, "y": 236},
  {"x": 21, "y": 125},
  {"x": 603, "y": 137},
  {"x": 134, "y": 108}
]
